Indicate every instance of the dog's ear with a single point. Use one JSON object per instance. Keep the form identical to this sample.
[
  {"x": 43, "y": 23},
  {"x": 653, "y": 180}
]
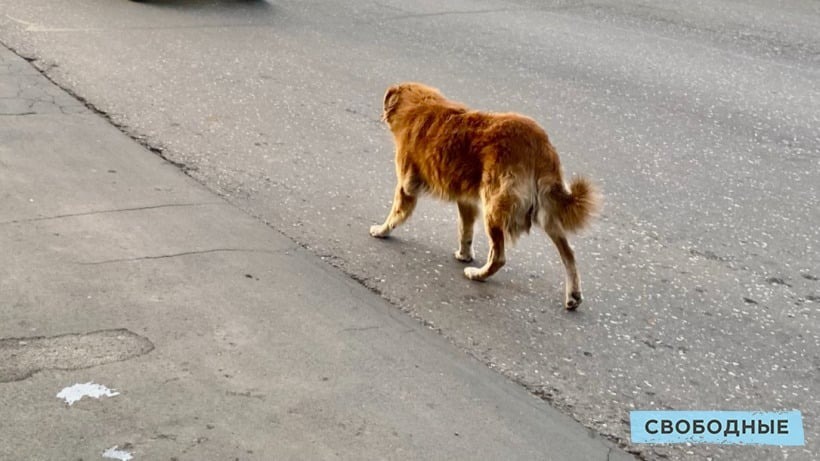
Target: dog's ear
[{"x": 391, "y": 100}]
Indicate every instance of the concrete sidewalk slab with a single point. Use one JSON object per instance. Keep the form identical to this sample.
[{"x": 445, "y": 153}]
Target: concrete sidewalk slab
[{"x": 236, "y": 344}]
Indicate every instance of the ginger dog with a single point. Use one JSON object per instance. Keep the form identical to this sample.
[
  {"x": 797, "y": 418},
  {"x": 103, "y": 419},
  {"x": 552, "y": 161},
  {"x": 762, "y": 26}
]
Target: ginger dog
[{"x": 503, "y": 160}]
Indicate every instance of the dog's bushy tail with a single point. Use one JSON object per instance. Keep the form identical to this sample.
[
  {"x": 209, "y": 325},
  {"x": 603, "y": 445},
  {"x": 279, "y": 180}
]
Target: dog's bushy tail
[{"x": 575, "y": 207}]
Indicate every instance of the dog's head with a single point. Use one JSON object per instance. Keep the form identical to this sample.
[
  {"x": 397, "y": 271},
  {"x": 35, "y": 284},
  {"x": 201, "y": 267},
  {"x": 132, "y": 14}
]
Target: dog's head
[{"x": 408, "y": 94}]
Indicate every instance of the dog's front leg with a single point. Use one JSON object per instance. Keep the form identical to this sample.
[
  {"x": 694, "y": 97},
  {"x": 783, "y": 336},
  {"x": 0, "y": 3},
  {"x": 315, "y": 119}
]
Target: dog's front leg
[{"x": 403, "y": 205}]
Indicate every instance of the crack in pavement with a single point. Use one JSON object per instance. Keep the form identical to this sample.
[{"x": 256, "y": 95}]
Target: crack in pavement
[
  {"x": 23, "y": 94},
  {"x": 372, "y": 327},
  {"x": 43, "y": 69},
  {"x": 116, "y": 210},
  {"x": 185, "y": 253}
]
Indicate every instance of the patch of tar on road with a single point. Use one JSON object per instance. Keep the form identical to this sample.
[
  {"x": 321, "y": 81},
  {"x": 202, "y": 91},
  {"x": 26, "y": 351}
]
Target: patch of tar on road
[{"x": 22, "y": 357}]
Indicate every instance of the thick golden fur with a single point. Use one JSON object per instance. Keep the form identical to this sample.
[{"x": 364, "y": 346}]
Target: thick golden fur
[{"x": 503, "y": 160}]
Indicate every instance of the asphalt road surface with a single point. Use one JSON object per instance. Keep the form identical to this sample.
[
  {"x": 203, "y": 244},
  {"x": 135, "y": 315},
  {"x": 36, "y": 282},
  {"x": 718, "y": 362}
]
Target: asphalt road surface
[{"x": 699, "y": 120}]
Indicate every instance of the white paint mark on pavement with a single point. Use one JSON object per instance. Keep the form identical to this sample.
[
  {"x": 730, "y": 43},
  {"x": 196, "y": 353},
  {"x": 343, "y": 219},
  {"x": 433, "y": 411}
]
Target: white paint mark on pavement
[
  {"x": 113, "y": 453},
  {"x": 76, "y": 392},
  {"x": 34, "y": 27}
]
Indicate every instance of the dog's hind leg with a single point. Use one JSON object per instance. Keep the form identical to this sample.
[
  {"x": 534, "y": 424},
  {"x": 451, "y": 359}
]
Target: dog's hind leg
[
  {"x": 494, "y": 225},
  {"x": 572, "y": 294},
  {"x": 467, "y": 213},
  {"x": 404, "y": 201}
]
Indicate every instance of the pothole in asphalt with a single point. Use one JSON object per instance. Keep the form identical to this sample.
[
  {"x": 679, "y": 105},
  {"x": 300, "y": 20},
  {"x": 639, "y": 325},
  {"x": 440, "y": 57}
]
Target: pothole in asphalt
[{"x": 22, "y": 357}]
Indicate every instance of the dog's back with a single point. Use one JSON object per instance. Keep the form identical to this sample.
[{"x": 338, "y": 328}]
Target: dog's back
[{"x": 456, "y": 152}]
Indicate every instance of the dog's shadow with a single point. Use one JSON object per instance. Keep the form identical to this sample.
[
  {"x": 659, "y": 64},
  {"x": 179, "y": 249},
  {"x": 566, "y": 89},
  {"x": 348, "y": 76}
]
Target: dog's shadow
[
  {"x": 417, "y": 257},
  {"x": 420, "y": 257}
]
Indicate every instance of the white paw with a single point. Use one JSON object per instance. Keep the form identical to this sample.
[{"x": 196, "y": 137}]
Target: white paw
[
  {"x": 463, "y": 257},
  {"x": 474, "y": 273},
  {"x": 379, "y": 231},
  {"x": 573, "y": 300}
]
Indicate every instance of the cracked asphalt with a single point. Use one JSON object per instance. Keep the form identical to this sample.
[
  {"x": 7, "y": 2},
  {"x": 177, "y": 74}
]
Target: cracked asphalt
[
  {"x": 20, "y": 97},
  {"x": 699, "y": 121}
]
